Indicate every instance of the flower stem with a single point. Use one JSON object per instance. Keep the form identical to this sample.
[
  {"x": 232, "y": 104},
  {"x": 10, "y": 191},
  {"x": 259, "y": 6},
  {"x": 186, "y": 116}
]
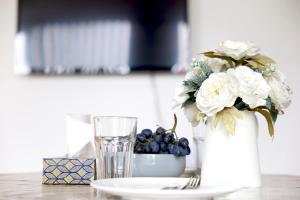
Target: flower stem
[{"x": 174, "y": 126}]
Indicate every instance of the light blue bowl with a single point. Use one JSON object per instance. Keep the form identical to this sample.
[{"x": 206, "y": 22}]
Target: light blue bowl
[{"x": 158, "y": 165}]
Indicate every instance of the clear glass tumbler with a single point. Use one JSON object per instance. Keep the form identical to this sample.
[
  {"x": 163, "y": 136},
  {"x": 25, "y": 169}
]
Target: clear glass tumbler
[{"x": 114, "y": 142}]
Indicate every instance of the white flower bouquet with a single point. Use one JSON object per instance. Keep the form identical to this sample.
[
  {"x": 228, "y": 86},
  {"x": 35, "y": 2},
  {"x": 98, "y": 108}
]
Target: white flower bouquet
[{"x": 233, "y": 78}]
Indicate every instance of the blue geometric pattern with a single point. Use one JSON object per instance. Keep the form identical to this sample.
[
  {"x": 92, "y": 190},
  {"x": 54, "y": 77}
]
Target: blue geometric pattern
[{"x": 68, "y": 171}]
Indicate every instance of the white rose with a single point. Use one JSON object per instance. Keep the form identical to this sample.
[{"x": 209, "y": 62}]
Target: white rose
[
  {"x": 238, "y": 50},
  {"x": 193, "y": 114},
  {"x": 216, "y": 64},
  {"x": 252, "y": 87},
  {"x": 280, "y": 92},
  {"x": 215, "y": 93}
]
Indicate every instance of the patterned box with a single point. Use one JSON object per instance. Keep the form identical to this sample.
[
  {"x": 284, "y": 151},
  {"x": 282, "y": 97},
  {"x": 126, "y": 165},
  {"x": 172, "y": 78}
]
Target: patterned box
[{"x": 76, "y": 171}]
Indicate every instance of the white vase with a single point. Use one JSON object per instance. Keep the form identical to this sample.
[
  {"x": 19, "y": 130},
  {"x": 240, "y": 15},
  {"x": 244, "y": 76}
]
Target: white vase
[{"x": 232, "y": 159}]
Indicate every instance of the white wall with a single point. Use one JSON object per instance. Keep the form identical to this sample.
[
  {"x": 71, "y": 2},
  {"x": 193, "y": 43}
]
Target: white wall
[{"x": 32, "y": 108}]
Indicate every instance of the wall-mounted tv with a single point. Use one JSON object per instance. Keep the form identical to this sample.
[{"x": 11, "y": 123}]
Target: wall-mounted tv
[{"x": 101, "y": 36}]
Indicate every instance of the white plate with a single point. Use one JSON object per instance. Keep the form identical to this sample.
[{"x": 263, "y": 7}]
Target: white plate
[{"x": 150, "y": 188}]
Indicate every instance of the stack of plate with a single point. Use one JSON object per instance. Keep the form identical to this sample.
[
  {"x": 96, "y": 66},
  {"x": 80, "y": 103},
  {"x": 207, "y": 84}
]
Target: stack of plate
[{"x": 150, "y": 188}]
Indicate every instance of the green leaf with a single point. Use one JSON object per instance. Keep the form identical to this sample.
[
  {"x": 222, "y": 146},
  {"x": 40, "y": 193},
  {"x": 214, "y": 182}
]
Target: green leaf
[
  {"x": 217, "y": 119},
  {"x": 268, "y": 117},
  {"x": 240, "y": 105},
  {"x": 263, "y": 60},
  {"x": 208, "y": 53},
  {"x": 228, "y": 117},
  {"x": 212, "y": 54},
  {"x": 274, "y": 114},
  {"x": 189, "y": 101},
  {"x": 241, "y": 62},
  {"x": 235, "y": 112},
  {"x": 252, "y": 63},
  {"x": 259, "y": 61},
  {"x": 271, "y": 108},
  {"x": 228, "y": 121}
]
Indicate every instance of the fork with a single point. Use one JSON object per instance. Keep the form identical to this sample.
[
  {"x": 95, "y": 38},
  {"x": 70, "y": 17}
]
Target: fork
[{"x": 193, "y": 183}]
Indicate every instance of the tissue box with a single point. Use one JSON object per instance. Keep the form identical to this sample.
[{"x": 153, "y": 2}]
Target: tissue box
[{"x": 76, "y": 171}]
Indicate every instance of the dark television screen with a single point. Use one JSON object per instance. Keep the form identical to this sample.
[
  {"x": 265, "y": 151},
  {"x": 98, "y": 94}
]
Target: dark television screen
[{"x": 101, "y": 36}]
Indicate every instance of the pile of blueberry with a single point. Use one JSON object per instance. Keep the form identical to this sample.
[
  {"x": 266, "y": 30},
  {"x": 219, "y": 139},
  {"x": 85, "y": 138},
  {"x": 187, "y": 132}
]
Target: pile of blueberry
[{"x": 161, "y": 142}]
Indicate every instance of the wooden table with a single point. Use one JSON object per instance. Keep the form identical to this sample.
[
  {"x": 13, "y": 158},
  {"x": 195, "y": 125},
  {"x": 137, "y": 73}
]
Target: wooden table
[{"x": 28, "y": 186}]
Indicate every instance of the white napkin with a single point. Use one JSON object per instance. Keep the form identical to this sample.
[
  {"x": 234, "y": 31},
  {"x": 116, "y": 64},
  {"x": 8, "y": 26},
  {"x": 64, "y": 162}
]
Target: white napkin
[{"x": 80, "y": 136}]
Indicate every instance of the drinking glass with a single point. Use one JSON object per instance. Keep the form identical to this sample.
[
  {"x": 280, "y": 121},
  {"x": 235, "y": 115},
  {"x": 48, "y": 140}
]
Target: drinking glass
[
  {"x": 199, "y": 139},
  {"x": 114, "y": 142}
]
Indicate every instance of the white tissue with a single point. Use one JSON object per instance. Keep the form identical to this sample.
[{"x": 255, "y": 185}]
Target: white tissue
[{"x": 80, "y": 136}]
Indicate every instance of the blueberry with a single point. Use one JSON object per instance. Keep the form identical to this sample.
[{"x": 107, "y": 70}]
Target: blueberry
[
  {"x": 158, "y": 138},
  {"x": 160, "y": 131},
  {"x": 147, "y": 148},
  {"x": 163, "y": 146},
  {"x": 172, "y": 139},
  {"x": 139, "y": 148},
  {"x": 171, "y": 148},
  {"x": 184, "y": 151},
  {"x": 154, "y": 146},
  {"x": 188, "y": 150},
  {"x": 147, "y": 133},
  {"x": 163, "y": 135},
  {"x": 176, "y": 150},
  {"x": 141, "y": 138},
  {"x": 169, "y": 138},
  {"x": 163, "y": 152},
  {"x": 183, "y": 142}
]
